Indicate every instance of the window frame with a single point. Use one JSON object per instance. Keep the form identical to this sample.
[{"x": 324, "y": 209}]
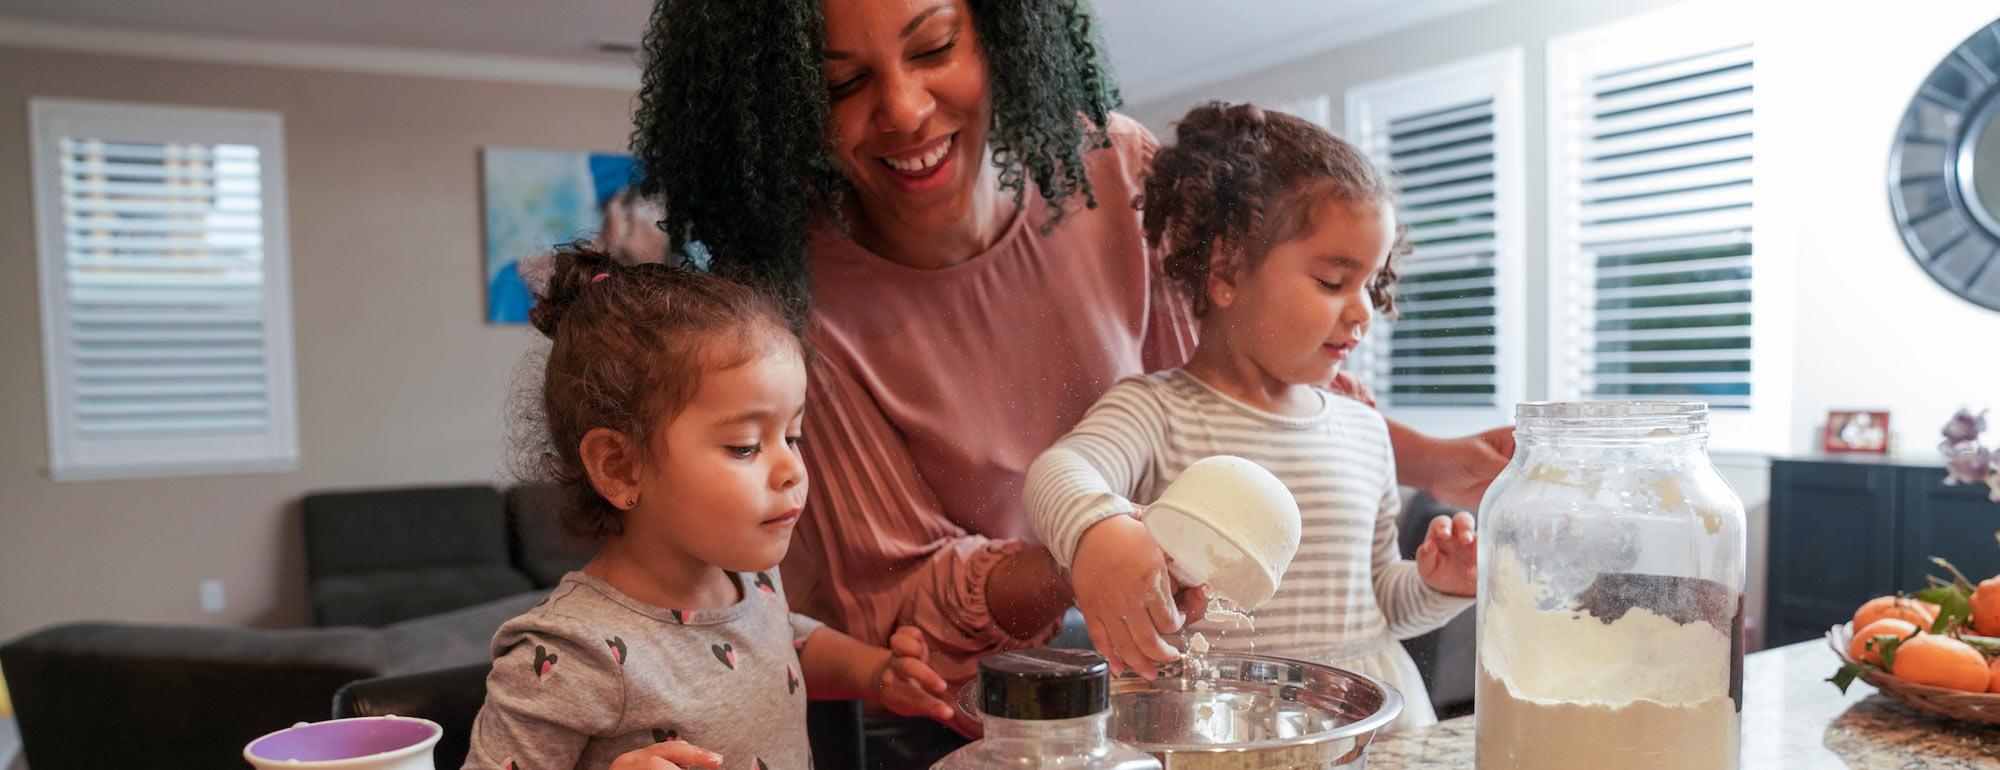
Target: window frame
[
  {"x": 1648, "y": 39},
  {"x": 73, "y": 457},
  {"x": 1498, "y": 75}
]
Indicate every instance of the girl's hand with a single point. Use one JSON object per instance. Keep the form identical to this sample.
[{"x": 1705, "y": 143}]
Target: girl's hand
[
  {"x": 906, "y": 684},
  {"x": 1126, "y": 595},
  {"x": 671, "y": 755},
  {"x": 1449, "y": 558}
]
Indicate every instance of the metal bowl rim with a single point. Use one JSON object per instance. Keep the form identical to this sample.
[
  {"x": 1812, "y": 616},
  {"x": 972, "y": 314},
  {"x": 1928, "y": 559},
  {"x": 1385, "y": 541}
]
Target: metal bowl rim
[{"x": 1392, "y": 706}]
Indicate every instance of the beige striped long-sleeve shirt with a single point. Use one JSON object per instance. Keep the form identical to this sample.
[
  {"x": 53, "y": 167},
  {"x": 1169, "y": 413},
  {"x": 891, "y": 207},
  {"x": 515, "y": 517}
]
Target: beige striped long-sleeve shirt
[{"x": 1347, "y": 593}]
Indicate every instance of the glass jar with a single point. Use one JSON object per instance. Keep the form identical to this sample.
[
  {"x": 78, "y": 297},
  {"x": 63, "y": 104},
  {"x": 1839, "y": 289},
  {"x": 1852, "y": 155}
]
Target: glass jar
[
  {"x": 1610, "y": 610},
  {"x": 1046, "y": 708}
]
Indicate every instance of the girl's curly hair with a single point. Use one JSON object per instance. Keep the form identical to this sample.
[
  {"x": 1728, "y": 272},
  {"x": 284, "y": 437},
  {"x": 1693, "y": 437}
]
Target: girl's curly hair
[
  {"x": 1239, "y": 180},
  {"x": 629, "y": 345},
  {"x": 731, "y": 129}
]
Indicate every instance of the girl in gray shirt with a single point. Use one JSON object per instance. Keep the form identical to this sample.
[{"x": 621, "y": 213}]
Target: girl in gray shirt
[{"x": 671, "y": 402}]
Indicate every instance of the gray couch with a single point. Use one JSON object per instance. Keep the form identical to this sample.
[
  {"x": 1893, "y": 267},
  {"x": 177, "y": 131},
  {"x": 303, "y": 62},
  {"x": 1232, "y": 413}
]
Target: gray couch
[
  {"x": 96, "y": 695},
  {"x": 435, "y": 571}
]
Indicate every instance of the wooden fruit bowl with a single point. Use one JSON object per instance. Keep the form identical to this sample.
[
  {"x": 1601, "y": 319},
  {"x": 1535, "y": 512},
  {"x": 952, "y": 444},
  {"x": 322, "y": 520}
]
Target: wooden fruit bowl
[{"x": 1980, "y": 707}]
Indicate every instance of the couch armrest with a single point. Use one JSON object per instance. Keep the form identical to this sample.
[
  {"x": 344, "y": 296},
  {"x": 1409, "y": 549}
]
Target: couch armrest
[
  {"x": 450, "y": 697},
  {"x": 90, "y": 695}
]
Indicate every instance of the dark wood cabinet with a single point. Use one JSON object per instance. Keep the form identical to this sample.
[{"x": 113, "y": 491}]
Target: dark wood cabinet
[{"x": 1844, "y": 530}]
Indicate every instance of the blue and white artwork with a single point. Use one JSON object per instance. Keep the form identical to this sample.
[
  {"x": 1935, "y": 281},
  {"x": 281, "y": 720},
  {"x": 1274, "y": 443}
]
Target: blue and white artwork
[{"x": 536, "y": 199}]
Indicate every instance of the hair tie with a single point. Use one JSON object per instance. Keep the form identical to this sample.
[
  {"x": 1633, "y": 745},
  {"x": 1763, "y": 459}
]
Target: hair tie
[{"x": 600, "y": 276}]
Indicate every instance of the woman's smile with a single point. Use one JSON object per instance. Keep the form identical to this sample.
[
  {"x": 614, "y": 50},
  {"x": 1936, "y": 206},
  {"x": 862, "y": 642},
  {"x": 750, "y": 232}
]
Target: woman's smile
[{"x": 924, "y": 169}]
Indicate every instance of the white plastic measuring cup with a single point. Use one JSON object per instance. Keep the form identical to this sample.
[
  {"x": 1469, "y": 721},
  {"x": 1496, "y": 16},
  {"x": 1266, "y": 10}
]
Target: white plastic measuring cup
[{"x": 1229, "y": 524}]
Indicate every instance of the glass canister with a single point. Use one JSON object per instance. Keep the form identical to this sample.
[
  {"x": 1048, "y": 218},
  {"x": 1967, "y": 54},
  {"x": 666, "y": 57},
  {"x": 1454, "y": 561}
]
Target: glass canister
[
  {"x": 1610, "y": 611},
  {"x": 1046, "y": 709}
]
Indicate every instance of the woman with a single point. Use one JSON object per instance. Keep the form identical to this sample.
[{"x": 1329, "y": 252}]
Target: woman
[{"x": 941, "y": 189}]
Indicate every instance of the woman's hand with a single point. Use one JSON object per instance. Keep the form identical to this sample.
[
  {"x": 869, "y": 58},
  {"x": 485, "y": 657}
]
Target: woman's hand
[
  {"x": 1126, "y": 595},
  {"x": 1449, "y": 558},
  {"x": 906, "y": 684},
  {"x": 1465, "y": 467},
  {"x": 670, "y": 755}
]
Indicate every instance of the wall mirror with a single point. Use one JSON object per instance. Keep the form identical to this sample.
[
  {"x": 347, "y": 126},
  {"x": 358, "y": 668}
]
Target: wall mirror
[{"x": 1944, "y": 170}]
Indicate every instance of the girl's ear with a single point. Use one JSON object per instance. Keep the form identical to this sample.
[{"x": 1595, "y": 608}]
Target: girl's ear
[
  {"x": 1223, "y": 274},
  {"x": 613, "y": 464}
]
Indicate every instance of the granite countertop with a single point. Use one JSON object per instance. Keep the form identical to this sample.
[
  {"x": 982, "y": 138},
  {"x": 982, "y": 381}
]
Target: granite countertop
[{"x": 1792, "y": 718}]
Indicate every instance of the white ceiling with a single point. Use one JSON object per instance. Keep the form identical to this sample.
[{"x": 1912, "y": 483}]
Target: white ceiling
[{"x": 1158, "y": 46}]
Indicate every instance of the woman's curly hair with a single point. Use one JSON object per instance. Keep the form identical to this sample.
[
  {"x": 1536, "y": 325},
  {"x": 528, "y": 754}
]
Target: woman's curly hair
[
  {"x": 1239, "y": 180},
  {"x": 733, "y": 117}
]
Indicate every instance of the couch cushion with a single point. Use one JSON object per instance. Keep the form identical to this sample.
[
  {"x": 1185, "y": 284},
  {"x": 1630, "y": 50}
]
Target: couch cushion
[
  {"x": 536, "y": 537},
  {"x": 95, "y": 695},
  {"x": 386, "y": 597},
  {"x": 351, "y": 533},
  {"x": 457, "y": 638}
]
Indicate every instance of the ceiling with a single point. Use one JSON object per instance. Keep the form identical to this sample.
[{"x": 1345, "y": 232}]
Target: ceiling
[{"x": 1158, "y": 46}]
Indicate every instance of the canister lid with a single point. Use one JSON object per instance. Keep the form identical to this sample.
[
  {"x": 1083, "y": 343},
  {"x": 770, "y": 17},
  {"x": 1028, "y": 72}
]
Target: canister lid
[{"x": 1044, "y": 684}]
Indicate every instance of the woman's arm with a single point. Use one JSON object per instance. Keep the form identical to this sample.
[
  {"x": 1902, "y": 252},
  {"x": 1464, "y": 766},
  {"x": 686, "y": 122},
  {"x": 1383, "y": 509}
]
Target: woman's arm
[
  {"x": 875, "y": 550},
  {"x": 1455, "y": 470}
]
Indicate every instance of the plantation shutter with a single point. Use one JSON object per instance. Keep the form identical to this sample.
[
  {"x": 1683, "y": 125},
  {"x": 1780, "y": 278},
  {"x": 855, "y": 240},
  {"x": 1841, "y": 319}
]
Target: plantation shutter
[
  {"x": 165, "y": 320},
  {"x": 1653, "y": 220},
  {"x": 1450, "y": 137}
]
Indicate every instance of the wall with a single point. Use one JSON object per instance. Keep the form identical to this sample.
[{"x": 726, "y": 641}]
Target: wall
[
  {"x": 1869, "y": 328},
  {"x": 400, "y": 379}
]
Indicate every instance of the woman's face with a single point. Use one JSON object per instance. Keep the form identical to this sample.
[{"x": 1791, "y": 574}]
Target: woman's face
[{"x": 911, "y": 105}]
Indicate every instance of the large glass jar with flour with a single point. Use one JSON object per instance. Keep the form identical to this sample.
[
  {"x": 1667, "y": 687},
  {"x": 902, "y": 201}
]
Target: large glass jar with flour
[{"x": 1611, "y": 569}]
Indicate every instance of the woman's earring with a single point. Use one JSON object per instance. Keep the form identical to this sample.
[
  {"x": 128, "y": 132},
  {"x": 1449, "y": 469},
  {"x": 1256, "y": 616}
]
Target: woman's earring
[{"x": 631, "y": 501}]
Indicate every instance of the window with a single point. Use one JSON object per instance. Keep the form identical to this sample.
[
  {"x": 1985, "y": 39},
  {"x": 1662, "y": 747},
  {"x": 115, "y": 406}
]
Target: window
[
  {"x": 166, "y": 319},
  {"x": 1655, "y": 276},
  {"x": 1453, "y": 360}
]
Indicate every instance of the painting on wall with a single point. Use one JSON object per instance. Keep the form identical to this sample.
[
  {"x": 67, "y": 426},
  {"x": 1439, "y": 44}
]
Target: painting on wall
[{"x": 537, "y": 199}]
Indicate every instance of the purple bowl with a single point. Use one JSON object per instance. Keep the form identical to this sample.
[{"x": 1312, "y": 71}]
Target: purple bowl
[{"x": 341, "y": 739}]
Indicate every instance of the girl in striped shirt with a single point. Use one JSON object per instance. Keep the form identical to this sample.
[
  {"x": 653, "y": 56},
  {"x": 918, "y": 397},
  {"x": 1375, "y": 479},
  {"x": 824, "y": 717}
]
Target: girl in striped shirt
[{"x": 1281, "y": 236}]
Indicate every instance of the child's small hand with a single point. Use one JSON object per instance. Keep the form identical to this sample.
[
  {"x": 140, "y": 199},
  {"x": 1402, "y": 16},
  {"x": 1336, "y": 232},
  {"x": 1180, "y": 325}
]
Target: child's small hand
[
  {"x": 1126, "y": 595},
  {"x": 1449, "y": 558},
  {"x": 670, "y": 755},
  {"x": 906, "y": 684}
]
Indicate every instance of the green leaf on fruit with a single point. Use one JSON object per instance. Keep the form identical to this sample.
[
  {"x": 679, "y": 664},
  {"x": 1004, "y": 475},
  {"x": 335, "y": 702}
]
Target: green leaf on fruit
[
  {"x": 1846, "y": 675},
  {"x": 1954, "y": 605},
  {"x": 1886, "y": 645},
  {"x": 1986, "y": 645}
]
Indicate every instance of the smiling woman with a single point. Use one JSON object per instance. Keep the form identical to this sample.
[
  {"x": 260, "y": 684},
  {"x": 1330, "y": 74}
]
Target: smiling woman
[{"x": 733, "y": 119}]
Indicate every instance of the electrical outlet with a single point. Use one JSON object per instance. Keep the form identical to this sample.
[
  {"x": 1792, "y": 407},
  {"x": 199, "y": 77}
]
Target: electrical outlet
[{"x": 211, "y": 596}]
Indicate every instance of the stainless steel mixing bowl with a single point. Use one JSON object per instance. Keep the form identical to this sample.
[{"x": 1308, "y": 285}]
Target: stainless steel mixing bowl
[{"x": 1253, "y": 712}]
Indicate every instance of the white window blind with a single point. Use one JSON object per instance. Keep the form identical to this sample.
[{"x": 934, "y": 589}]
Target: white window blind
[
  {"x": 165, "y": 310},
  {"x": 1655, "y": 285},
  {"x": 1453, "y": 359}
]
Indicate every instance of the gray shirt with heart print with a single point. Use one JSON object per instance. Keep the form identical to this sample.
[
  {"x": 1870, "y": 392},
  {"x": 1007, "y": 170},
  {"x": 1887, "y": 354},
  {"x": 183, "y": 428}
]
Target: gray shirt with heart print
[{"x": 591, "y": 673}]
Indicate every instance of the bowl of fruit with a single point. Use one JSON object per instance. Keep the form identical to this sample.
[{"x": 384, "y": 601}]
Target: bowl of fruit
[{"x": 1936, "y": 650}]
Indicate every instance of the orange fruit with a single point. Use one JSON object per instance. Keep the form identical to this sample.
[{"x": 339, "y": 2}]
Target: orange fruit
[
  {"x": 1986, "y": 607},
  {"x": 1993, "y": 676},
  {"x": 1920, "y": 613},
  {"x": 1941, "y": 661},
  {"x": 1900, "y": 628}
]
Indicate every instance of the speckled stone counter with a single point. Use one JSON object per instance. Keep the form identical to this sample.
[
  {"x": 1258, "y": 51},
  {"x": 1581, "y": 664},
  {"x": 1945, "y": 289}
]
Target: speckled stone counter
[{"x": 1791, "y": 719}]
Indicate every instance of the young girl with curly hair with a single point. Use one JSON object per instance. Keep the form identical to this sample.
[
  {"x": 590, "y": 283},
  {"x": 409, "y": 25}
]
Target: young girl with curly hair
[
  {"x": 1281, "y": 235},
  {"x": 672, "y": 401}
]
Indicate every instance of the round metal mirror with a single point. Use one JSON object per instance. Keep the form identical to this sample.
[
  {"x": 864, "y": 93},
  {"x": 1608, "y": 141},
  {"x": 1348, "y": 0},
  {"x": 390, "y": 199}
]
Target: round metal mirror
[{"x": 1944, "y": 171}]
